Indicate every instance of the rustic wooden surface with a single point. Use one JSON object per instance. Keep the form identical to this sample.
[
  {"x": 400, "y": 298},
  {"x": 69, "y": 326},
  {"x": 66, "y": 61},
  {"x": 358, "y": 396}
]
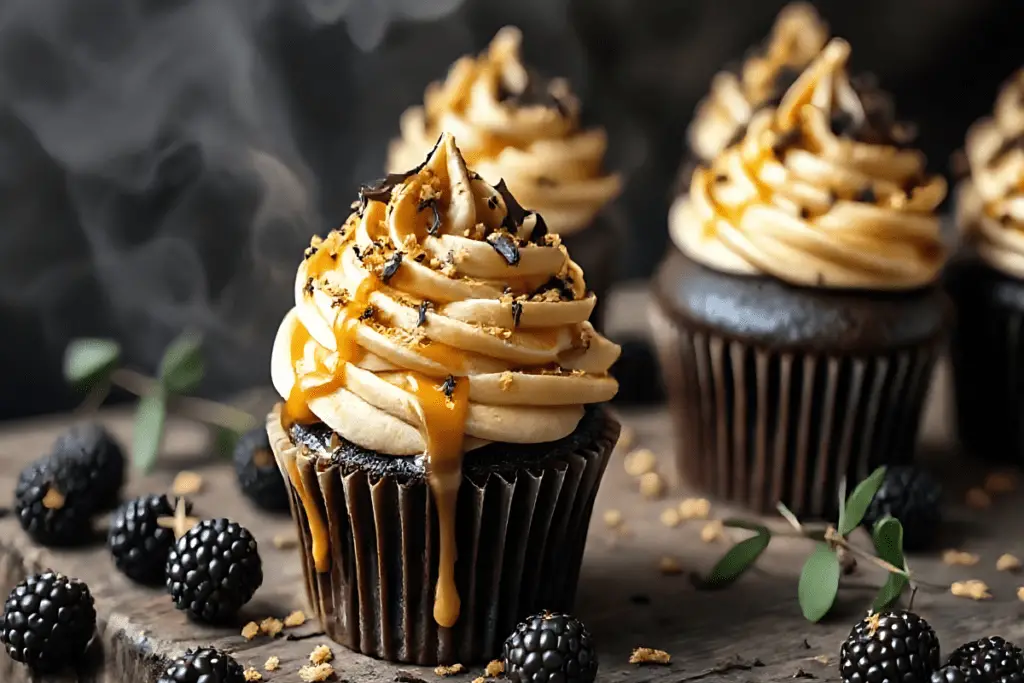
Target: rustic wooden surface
[{"x": 752, "y": 631}]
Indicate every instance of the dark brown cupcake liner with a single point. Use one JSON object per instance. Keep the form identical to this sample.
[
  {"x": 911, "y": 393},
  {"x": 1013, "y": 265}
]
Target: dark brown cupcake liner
[
  {"x": 758, "y": 426},
  {"x": 520, "y": 541}
]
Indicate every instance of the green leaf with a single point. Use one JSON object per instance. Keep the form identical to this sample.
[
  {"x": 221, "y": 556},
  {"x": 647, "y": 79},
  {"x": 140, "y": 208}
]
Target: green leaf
[
  {"x": 222, "y": 442},
  {"x": 181, "y": 368},
  {"x": 888, "y": 538},
  {"x": 738, "y": 559},
  {"x": 734, "y": 523},
  {"x": 819, "y": 583},
  {"x": 149, "y": 429},
  {"x": 90, "y": 361},
  {"x": 858, "y": 502}
]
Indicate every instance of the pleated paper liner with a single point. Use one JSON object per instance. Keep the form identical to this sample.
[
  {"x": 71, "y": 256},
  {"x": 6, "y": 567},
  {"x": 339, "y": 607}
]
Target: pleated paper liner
[
  {"x": 520, "y": 540},
  {"x": 757, "y": 426}
]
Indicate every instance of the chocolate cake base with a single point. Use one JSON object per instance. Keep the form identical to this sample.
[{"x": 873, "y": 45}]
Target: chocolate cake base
[
  {"x": 987, "y": 349},
  {"x": 778, "y": 393},
  {"x": 521, "y": 526}
]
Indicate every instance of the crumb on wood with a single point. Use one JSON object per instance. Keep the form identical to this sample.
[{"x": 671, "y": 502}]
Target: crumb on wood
[
  {"x": 978, "y": 499},
  {"x": 972, "y": 588},
  {"x": 959, "y": 558},
  {"x": 1020, "y": 593},
  {"x": 712, "y": 531},
  {"x": 313, "y": 673},
  {"x": 479, "y": 679},
  {"x": 822, "y": 659},
  {"x": 695, "y": 508},
  {"x": 320, "y": 654},
  {"x": 453, "y": 670},
  {"x": 652, "y": 486},
  {"x": 187, "y": 483},
  {"x": 494, "y": 668},
  {"x": 670, "y": 517},
  {"x": 1000, "y": 482},
  {"x": 647, "y": 655},
  {"x": 272, "y": 663},
  {"x": 640, "y": 462},
  {"x": 295, "y": 619},
  {"x": 613, "y": 519},
  {"x": 271, "y": 626},
  {"x": 669, "y": 566},
  {"x": 250, "y": 630},
  {"x": 285, "y": 541},
  {"x": 252, "y": 675},
  {"x": 1008, "y": 563}
]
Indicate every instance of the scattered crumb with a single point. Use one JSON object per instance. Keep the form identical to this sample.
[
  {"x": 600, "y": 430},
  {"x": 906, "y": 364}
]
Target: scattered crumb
[
  {"x": 285, "y": 541},
  {"x": 250, "y": 630},
  {"x": 652, "y": 486},
  {"x": 187, "y": 484},
  {"x": 1008, "y": 563},
  {"x": 822, "y": 659},
  {"x": 1000, "y": 482},
  {"x": 647, "y": 655},
  {"x": 296, "y": 618},
  {"x": 313, "y": 674},
  {"x": 695, "y": 508},
  {"x": 479, "y": 679},
  {"x": 712, "y": 531},
  {"x": 973, "y": 589},
  {"x": 670, "y": 517},
  {"x": 271, "y": 626},
  {"x": 978, "y": 499},
  {"x": 640, "y": 462},
  {"x": 272, "y": 664},
  {"x": 613, "y": 519},
  {"x": 252, "y": 675},
  {"x": 321, "y": 654},
  {"x": 626, "y": 438},
  {"x": 669, "y": 566},
  {"x": 453, "y": 670},
  {"x": 506, "y": 380},
  {"x": 1020, "y": 593},
  {"x": 959, "y": 558},
  {"x": 53, "y": 499},
  {"x": 495, "y": 668}
]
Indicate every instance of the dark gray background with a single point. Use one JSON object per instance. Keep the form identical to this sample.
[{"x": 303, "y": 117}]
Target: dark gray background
[{"x": 163, "y": 162}]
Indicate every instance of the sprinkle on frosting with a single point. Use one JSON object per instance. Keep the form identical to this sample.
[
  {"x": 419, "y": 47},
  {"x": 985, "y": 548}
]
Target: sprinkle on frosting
[
  {"x": 991, "y": 205},
  {"x": 821, "y": 191},
  {"x": 516, "y": 125}
]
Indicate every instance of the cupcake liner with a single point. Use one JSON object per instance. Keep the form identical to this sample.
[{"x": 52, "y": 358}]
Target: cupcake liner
[
  {"x": 520, "y": 540},
  {"x": 758, "y": 426}
]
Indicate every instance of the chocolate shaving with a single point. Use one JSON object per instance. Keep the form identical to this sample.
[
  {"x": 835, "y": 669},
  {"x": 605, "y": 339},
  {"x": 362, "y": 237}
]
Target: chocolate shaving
[
  {"x": 381, "y": 190},
  {"x": 514, "y": 212},
  {"x": 449, "y": 386},
  {"x": 421, "y": 319},
  {"x": 404, "y": 677},
  {"x": 435, "y": 225},
  {"x": 308, "y": 254},
  {"x": 505, "y": 246},
  {"x": 517, "y": 312},
  {"x": 540, "y": 229},
  {"x": 565, "y": 292},
  {"x": 367, "y": 313},
  {"x": 355, "y": 250},
  {"x": 420, "y": 257},
  {"x": 492, "y": 202},
  {"x": 308, "y": 288},
  {"x": 866, "y": 195},
  {"x": 391, "y": 266},
  {"x": 536, "y": 92},
  {"x": 805, "y": 212}
]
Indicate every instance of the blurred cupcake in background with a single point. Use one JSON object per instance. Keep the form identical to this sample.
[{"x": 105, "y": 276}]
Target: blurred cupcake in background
[
  {"x": 986, "y": 282},
  {"x": 515, "y": 125},
  {"x": 799, "y": 319}
]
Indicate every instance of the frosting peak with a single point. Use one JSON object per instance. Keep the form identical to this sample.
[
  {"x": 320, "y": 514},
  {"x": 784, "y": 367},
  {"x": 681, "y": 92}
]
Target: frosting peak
[
  {"x": 514, "y": 124},
  {"x": 819, "y": 192}
]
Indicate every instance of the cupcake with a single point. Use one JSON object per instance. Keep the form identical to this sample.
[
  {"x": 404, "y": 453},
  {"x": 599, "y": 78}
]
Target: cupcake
[
  {"x": 797, "y": 37},
  {"x": 986, "y": 282},
  {"x": 441, "y": 431},
  {"x": 513, "y": 124},
  {"x": 798, "y": 320}
]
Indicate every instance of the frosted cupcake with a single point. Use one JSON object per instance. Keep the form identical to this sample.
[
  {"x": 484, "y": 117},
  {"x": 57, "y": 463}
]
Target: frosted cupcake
[
  {"x": 512, "y": 124},
  {"x": 441, "y": 430},
  {"x": 986, "y": 282},
  {"x": 798, "y": 319}
]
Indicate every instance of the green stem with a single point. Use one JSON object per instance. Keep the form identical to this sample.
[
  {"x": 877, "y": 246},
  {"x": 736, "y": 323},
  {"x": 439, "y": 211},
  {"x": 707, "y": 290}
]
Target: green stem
[{"x": 198, "y": 409}]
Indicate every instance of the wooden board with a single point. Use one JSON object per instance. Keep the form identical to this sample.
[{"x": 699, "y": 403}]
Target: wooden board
[{"x": 752, "y": 631}]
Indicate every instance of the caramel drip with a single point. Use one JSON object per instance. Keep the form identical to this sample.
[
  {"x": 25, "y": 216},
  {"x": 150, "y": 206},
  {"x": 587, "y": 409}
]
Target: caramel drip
[
  {"x": 444, "y": 426},
  {"x": 317, "y": 528}
]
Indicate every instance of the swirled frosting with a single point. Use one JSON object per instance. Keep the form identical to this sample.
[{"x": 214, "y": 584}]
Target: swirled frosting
[
  {"x": 512, "y": 124},
  {"x": 821, "y": 191},
  {"x": 991, "y": 200},
  {"x": 797, "y": 37}
]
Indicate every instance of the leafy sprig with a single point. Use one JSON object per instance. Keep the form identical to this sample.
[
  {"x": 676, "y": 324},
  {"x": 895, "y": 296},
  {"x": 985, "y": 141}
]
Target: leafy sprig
[
  {"x": 822, "y": 572},
  {"x": 93, "y": 365}
]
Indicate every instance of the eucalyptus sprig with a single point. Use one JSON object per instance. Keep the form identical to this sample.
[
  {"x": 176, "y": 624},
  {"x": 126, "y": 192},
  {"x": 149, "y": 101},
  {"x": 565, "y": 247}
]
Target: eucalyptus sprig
[
  {"x": 822, "y": 571},
  {"x": 93, "y": 365}
]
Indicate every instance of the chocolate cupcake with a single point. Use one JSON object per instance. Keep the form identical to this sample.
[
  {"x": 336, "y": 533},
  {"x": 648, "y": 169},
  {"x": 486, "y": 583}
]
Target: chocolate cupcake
[
  {"x": 986, "y": 282},
  {"x": 515, "y": 125},
  {"x": 799, "y": 319},
  {"x": 441, "y": 433}
]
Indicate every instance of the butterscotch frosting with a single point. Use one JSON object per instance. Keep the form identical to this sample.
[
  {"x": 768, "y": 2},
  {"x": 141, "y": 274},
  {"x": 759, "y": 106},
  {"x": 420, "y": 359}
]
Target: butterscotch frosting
[
  {"x": 821, "y": 191},
  {"x": 991, "y": 200},
  {"x": 512, "y": 124},
  {"x": 798, "y": 36}
]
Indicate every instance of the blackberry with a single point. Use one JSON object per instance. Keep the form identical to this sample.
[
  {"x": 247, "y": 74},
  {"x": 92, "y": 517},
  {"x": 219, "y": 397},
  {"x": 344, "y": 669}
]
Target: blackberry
[
  {"x": 213, "y": 570},
  {"x": 990, "y": 660},
  {"x": 894, "y": 646},
  {"x": 257, "y": 472},
  {"x": 550, "y": 648},
  {"x": 950, "y": 674},
  {"x": 137, "y": 542},
  {"x": 204, "y": 665},
  {"x": 54, "y": 501},
  {"x": 912, "y": 496},
  {"x": 48, "y": 621},
  {"x": 96, "y": 448}
]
